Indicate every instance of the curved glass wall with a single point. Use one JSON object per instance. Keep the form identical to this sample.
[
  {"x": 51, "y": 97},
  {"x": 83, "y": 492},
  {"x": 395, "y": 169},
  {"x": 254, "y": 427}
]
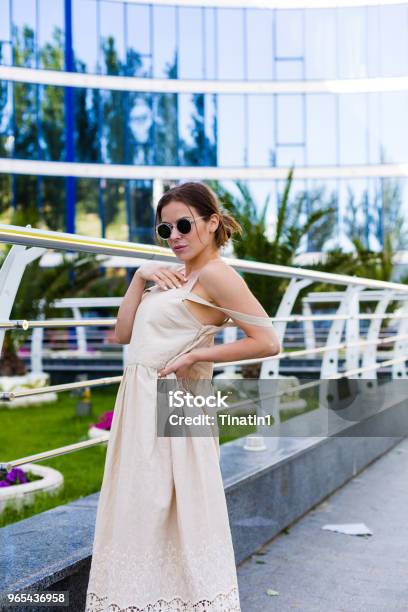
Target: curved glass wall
[
  {"x": 168, "y": 129},
  {"x": 196, "y": 43},
  {"x": 317, "y": 130}
]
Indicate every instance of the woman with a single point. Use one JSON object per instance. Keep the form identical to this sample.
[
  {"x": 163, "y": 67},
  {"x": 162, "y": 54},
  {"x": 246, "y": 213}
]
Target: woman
[{"x": 162, "y": 537}]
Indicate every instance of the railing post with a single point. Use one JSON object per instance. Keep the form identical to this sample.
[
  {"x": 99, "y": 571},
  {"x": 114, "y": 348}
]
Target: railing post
[
  {"x": 399, "y": 370},
  {"x": 330, "y": 361},
  {"x": 370, "y": 352},
  {"x": 11, "y": 274},
  {"x": 37, "y": 345},
  {"x": 352, "y": 331},
  {"x": 80, "y": 332},
  {"x": 308, "y": 326},
  {"x": 270, "y": 369}
]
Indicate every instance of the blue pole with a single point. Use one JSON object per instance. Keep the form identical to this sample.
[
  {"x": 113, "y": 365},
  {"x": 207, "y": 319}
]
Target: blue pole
[{"x": 69, "y": 120}]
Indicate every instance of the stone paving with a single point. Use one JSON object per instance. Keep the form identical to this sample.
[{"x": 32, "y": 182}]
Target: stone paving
[{"x": 315, "y": 570}]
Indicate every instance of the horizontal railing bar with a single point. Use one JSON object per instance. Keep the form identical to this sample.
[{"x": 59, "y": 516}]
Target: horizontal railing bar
[
  {"x": 56, "y": 452},
  {"x": 96, "y": 382},
  {"x": 376, "y": 366},
  {"x": 109, "y": 321},
  {"x": 51, "y": 323},
  {"x": 328, "y": 297},
  {"x": 320, "y": 349},
  {"x": 65, "y": 241}
]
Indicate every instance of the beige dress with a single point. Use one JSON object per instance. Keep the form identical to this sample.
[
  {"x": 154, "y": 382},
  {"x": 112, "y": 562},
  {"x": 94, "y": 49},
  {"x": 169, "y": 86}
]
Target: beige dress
[{"x": 162, "y": 538}]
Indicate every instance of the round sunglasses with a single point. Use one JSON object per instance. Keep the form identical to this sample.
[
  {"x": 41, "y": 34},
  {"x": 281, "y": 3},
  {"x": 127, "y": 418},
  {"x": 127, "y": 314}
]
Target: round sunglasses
[{"x": 183, "y": 225}]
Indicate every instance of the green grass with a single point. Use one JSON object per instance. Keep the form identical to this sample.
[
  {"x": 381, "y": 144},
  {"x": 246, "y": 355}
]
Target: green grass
[{"x": 25, "y": 431}]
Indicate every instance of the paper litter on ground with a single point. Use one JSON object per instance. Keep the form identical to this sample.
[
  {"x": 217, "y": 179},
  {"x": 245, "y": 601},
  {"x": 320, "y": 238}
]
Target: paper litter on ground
[{"x": 350, "y": 528}]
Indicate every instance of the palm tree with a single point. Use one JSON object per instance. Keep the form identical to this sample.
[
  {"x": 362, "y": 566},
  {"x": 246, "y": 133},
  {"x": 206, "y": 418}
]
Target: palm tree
[{"x": 290, "y": 230}]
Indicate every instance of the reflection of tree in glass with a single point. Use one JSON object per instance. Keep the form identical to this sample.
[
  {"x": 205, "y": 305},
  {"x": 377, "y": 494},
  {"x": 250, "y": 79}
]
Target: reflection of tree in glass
[
  {"x": 202, "y": 151},
  {"x": 6, "y": 142},
  {"x": 165, "y": 126}
]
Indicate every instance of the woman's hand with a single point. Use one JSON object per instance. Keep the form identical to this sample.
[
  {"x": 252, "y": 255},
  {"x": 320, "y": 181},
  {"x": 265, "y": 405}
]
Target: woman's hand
[
  {"x": 181, "y": 366},
  {"x": 167, "y": 277}
]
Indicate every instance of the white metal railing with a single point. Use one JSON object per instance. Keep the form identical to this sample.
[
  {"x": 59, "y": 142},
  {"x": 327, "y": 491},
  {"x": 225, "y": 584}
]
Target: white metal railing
[{"x": 29, "y": 244}]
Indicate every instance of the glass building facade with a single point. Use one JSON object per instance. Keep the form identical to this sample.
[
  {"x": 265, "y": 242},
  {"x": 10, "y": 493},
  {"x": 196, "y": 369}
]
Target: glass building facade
[{"x": 102, "y": 101}]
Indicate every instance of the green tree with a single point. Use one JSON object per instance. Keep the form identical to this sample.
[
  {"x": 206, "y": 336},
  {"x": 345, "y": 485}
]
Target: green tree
[{"x": 292, "y": 226}]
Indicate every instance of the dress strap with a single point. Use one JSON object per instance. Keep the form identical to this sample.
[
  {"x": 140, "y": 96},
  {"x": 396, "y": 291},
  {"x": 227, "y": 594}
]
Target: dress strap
[{"x": 240, "y": 316}]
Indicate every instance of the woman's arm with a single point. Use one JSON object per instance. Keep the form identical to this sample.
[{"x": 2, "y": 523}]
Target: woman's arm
[
  {"x": 127, "y": 310},
  {"x": 229, "y": 290}
]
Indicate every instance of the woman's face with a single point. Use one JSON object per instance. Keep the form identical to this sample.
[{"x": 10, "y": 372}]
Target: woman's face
[{"x": 200, "y": 237}]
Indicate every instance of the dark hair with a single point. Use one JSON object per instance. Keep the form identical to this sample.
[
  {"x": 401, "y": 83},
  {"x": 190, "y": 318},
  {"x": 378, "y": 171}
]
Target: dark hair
[{"x": 205, "y": 202}]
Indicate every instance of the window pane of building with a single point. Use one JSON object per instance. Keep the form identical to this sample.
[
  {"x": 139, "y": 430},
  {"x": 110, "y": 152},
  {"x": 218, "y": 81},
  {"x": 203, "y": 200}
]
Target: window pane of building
[
  {"x": 88, "y": 212},
  {"x": 210, "y": 126},
  {"x": 394, "y": 136},
  {"x": 87, "y": 105},
  {"x": 6, "y": 125},
  {"x": 84, "y": 34},
  {"x": 5, "y": 34},
  {"x": 260, "y": 44},
  {"x": 352, "y": 43},
  {"x": 320, "y": 33},
  {"x": 25, "y": 105},
  {"x": 113, "y": 127},
  {"x": 190, "y": 43},
  {"x": 321, "y": 139},
  {"x": 51, "y": 34},
  {"x": 164, "y": 42},
  {"x": 24, "y": 34},
  {"x": 52, "y": 123},
  {"x": 114, "y": 205},
  {"x": 211, "y": 62},
  {"x": 52, "y": 202},
  {"x": 374, "y": 127},
  {"x": 138, "y": 35},
  {"x": 112, "y": 40},
  {"x": 191, "y": 129},
  {"x": 260, "y": 139},
  {"x": 353, "y": 129},
  {"x": 140, "y": 128},
  {"x": 373, "y": 38},
  {"x": 290, "y": 119},
  {"x": 165, "y": 129},
  {"x": 289, "y": 33},
  {"x": 230, "y": 47},
  {"x": 231, "y": 130},
  {"x": 393, "y": 40},
  {"x": 141, "y": 211}
]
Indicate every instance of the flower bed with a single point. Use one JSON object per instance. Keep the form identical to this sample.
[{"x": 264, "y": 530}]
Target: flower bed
[
  {"x": 27, "y": 381},
  {"x": 102, "y": 426},
  {"x": 20, "y": 485}
]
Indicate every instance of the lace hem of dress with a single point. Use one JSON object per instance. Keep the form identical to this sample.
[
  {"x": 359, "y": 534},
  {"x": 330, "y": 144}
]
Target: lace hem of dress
[{"x": 223, "y": 602}]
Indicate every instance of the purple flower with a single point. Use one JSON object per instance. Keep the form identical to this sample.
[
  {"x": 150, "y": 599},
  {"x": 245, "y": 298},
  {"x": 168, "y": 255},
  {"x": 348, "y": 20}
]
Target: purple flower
[{"x": 14, "y": 477}]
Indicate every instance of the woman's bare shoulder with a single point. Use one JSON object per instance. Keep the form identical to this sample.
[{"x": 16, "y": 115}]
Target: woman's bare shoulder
[{"x": 218, "y": 273}]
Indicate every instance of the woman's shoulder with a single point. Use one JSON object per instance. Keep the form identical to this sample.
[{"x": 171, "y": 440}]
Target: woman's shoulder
[{"x": 218, "y": 270}]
